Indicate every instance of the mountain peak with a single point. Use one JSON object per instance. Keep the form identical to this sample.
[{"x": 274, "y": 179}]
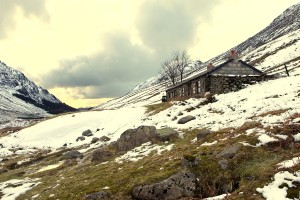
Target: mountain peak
[{"x": 22, "y": 98}]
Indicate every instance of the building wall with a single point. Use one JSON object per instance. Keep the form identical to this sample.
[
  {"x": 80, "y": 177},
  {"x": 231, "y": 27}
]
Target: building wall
[
  {"x": 224, "y": 84},
  {"x": 194, "y": 88},
  {"x": 236, "y": 68}
]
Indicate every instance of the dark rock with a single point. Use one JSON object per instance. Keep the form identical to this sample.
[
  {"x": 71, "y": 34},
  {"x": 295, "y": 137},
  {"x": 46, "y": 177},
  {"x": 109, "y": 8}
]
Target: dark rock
[
  {"x": 72, "y": 155},
  {"x": 223, "y": 163},
  {"x": 80, "y": 138},
  {"x": 70, "y": 162},
  {"x": 182, "y": 104},
  {"x": 98, "y": 129},
  {"x": 65, "y": 144},
  {"x": 186, "y": 119},
  {"x": 87, "y": 133},
  {"x": 177, "y": 186},
  {"x": 94, "y": 140},
  {"x": 189, "y": 161},
  {"x": 1, "y": 146},
  {"x": 132, "y": 138},
  {"x": 3, "y": 170},
  {"x": 166, "y": 134},
  {"x": 98, "y": 196},
  {"x": 102, "y": 155},
  {"x": 104, "y": 139},
  {"x": 202, "y": 134},
  {"x": 229, "y": 152}
]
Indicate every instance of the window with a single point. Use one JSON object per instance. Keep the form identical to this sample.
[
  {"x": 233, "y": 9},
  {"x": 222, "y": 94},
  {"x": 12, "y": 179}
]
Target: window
[
  {"x": 194, "y": 88},
  {"x": 199, "y": 86}
]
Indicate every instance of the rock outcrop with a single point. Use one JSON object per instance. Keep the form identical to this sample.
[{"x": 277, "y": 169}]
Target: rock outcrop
[
  {"x": 98, "y": 196},
  {"x": 167, "y": 134},
  {"x": 229, "y": 152},
  {"x": 202, "y": 134},
  {"x": 87, "y": 133},
  {"x": 186, "y": 119},
  {"x": 177, "y": 186},
  {"x": 132, "y": 138},
  {"x": 103, "y": 154},
  {"x": 72, "y": 155}
]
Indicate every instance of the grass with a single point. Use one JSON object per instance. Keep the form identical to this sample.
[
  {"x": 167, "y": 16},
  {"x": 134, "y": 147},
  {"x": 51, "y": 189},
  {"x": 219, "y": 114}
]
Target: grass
[
  {"x": 273, "y": 112},
  {"x": 156, "y": 108},
  {"x": 249, "y": 169}
]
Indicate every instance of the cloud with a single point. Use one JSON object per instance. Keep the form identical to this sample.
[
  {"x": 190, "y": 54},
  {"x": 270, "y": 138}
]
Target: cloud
[
  {"x": 172, "y": 25},
  {"x": 108, "y": 74},
  {"x": 162, "y": 26},
  {"x": 29, "y": 8}
]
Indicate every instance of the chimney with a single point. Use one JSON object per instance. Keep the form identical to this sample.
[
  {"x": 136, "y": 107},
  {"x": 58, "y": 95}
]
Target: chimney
[
  {"x": 210, "y": 66},
  {"x": 233, "y": 55}
]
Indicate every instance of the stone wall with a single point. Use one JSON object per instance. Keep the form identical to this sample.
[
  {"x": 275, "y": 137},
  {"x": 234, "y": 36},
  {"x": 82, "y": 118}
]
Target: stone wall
[{"x": 224, "y": 84}]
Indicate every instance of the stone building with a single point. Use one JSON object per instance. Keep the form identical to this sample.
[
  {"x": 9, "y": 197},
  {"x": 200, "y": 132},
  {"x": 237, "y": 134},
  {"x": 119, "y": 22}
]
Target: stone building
[{"x": 231, "y": 75}]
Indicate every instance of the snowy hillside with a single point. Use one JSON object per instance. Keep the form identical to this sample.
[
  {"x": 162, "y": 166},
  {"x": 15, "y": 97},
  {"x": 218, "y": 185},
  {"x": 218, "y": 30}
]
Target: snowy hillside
[
  {"x": 13, "y": 109},
  {"x": 22, "y": 98}
]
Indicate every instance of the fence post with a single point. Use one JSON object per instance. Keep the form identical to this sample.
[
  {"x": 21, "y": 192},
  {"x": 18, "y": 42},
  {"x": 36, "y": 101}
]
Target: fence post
[{"x": 286, "y": 70}]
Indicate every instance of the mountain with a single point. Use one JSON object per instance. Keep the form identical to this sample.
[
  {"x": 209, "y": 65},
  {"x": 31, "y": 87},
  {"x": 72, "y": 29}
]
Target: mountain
[
  {"x": 284, "y": 24},
  {"x": 22, "y": 98},
  {"x": 277, "y": 43}
]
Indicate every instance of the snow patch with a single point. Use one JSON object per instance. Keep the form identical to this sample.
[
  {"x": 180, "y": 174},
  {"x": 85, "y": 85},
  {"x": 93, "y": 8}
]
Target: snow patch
[
  {"x": 264, "y": 139},
  {"x": 143, "y": 151},
  {"x": 289, "y": 163},
  {"x": 274, "y": 191},
  {"x": 13, "y": 188}
]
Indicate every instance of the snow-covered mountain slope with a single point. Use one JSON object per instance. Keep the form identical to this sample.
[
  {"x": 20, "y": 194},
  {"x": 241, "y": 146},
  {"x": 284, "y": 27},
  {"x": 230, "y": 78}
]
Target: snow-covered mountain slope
[
  {"x": 285, "y": 23},
  {"x": 16, "y": 82},
  {"x": 22, "y": 98},
  {"x": 278, "y": 43},
  {"x": 13, "y": 109}
]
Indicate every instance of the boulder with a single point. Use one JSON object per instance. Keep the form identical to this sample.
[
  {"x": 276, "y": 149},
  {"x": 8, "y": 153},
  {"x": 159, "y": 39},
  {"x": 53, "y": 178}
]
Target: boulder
[
  {"x": 223, "y": 163},
  {"x": 98, "y": 196},
  {"x": 132, "y": 138},
  {"x": 229, "y": 152},
  {"x": 104, "y": 139},
  {"x": 102, "y": 154},
  {"x": 177, "y": 186},
  {"x": 72, "y": 155},
  {"x": 202, "y": 134},
  {"x": 87, "y": 133},
  {"x": 94, "y": 140},
  {"x": 186, "y": 119},
  {"x": 188, "y": 161},
  {"x": 3, "y": 170},
  {"x": 166, "y": 134},
  {"x": 80, "y": 138}
]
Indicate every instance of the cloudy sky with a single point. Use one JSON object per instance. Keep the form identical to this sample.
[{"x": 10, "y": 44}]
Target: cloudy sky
[{"x": 86, "y": 52}]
